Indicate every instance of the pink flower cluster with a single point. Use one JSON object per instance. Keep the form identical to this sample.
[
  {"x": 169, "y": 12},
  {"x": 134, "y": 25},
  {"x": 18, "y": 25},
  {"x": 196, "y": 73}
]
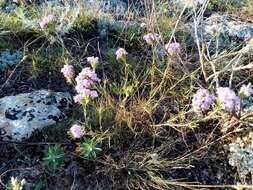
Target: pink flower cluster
[
  {"x": 173, "y": 48},
  {"x": 47, "y": 20},
  {"x": 121, "y": 53},
  {"x": 151, "y": 38},
  {"x": 202, "y": 101},
  {"x": 84, "y": 82},
  {"x": 68, "y": 71},
  {"x": 228, "y": 99},
  {"x": 76, "y": 131}
]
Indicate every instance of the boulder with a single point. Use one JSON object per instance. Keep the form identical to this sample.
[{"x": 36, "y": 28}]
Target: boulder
[
  {"x": 23, "y": 114},
  {"x": 223, "y": 26}
]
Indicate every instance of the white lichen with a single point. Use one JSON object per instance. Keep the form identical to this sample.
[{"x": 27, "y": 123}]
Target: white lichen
[{"x": 241, "y": 155}]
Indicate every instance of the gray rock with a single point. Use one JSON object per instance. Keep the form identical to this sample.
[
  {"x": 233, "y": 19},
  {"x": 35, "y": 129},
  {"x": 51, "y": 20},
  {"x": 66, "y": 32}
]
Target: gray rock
[
  {"x": 118, "y": 7},
  {"x": 23, "y": 114},
  {"x": 9, "y": 59},
  {"x": 224, "y": 25}
]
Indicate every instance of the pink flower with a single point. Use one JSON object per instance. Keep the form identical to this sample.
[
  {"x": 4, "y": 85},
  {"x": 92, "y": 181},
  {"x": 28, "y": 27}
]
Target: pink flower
[
  {"x": 173, "y": 48},
  {"x": 75, "y": 131},
  {"x": 90, "y": 93},
  {"x": 47, "y": 20},
  {"x": 121, "y": 53},
  {"x": 85, "y": 80},
  {"x": 87, "y": 73},
  {"x": 93, "y": 94},
  {"x": 78, "y": 98},
  {"x": 85, "y": 83},
  {"x": 92, "y": 60},
  {"x": 202, "y": 101},
  {"x": 150, "y": 38},
  {"x": 228, "y": 99},
  {"x": 68, "y": 71}
]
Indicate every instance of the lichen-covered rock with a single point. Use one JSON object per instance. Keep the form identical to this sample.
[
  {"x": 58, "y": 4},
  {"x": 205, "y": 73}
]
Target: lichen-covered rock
[
  {"x": 224, "y": 25},
  {"x": 23, "y": 114},
  {"x": 241, "y": 155},
  {"x": 9, "y": 59}
]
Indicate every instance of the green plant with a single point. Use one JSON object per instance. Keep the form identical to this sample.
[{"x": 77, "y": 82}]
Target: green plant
[
  {"x": 89, "y": 149},
  {"x": 53, "y": 158}
]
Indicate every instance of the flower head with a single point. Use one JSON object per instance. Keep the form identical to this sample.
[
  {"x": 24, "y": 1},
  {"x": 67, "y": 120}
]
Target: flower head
[
  {"x": 150, "y": 38},
  {"x": 121, "y": 53},
  {"x": 87, "y": 73},
  {"x": 93, "y": 61},
  {"x": 76, "y": 131},
  {"x": 78, "y": 98},
  {"x": 47, "y": 20},
  {"x": 68, "y": 72},
  {"x": 84, "y": 83},
  {"x": 173, "y": 48},
  {"x": 228, "y": 99},
  {"x": 246, "y": 90},
  {"x": 202, "y": 101}
]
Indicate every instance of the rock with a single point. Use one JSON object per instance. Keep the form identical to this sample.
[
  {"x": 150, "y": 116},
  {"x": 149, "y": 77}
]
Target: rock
[
  {"x": 9, "y": 59},
  {"x": 224, "y": 25},
  {"x": 23, "y": 114},
  {"x": 118, "y": 7}
]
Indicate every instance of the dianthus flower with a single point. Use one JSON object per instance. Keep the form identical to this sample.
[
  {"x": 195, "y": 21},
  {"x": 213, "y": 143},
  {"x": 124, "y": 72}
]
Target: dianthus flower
[
  {"x": 76, "y": 131},
  {"x": 84, "y": 81},
  {"x": 87, "y": 73},
  {"x": 173, "y": 48},
  {"x": 82, "y": 86},
  {"x": 68, "y": 71},
  {"x": 150, "y": 38},
  {"x": 78, "y": 98},
  {"x": 47, "y": 20},
  {"x": 202, "y": 101},
  {"x": 246, "y": 90},
  {"x": 228, "y": 99},
  {"x": 93, "y": 61},
  {"x": 121, "y": 53}
]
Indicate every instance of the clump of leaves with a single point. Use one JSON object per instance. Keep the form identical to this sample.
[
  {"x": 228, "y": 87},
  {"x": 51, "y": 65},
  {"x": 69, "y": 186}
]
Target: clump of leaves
[
  {"x": 53, "y": 158},
  {"x": 89, "y": 149}
]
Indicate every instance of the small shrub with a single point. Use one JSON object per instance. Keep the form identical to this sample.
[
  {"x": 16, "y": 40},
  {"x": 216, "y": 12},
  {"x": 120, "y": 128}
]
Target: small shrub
[{"x": 53, "y": 158}]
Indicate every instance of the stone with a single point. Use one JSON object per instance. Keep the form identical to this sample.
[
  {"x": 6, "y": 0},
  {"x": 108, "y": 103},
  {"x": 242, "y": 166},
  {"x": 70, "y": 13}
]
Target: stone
[
  {"x": 224, "y": 25},
  {"x": 9, "y": 59},
  {"x": 23, "y": 114}
]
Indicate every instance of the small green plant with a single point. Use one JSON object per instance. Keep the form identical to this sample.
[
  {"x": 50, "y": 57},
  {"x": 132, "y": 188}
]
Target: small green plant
[
  {"x": 89, "y": 149},
  {"x": 53, "y": 158}
]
